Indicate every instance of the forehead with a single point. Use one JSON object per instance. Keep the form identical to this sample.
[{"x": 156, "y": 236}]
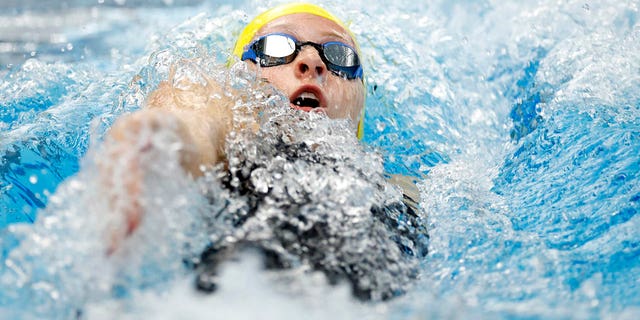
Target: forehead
[{"x": 307, "y": 27}]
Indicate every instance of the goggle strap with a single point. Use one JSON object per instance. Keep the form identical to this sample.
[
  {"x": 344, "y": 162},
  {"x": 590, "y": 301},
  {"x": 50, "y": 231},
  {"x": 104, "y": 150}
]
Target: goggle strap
[
  {"x": 249, "y": 55},
  {"x": 358, "y": 73}
]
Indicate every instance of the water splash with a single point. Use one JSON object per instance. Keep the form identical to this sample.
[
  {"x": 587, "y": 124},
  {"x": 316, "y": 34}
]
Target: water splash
[{"x": 521, "y": 119}]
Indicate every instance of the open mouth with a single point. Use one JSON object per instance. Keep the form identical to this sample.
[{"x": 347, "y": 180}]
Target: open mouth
[{"x": 306, "y": 99}]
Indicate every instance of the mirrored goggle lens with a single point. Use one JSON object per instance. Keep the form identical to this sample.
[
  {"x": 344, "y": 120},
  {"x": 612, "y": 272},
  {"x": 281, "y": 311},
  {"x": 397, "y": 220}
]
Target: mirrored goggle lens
[
  {"x": 340, "y": 54},
  {"x": 276, "y": 46}
]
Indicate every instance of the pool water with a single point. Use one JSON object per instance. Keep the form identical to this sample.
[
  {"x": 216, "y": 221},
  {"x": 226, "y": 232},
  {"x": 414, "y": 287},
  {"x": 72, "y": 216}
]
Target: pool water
[{"x": 521, "y": 120}]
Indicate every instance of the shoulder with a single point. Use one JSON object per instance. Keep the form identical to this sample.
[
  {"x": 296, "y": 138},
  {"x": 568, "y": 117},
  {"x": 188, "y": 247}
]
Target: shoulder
[{"x": 410, "y": 192}]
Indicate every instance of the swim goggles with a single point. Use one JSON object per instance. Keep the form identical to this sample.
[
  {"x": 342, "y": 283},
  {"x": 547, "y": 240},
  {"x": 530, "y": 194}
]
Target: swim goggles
[{"x": 278, "y": 48}]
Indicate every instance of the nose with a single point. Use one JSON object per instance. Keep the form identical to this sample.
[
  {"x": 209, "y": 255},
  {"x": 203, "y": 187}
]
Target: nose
[{"x": 308, "y": 64}]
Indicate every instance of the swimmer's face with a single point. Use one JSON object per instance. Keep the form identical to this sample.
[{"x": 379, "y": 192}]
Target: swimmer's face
[{"x": 307, "y": 75}]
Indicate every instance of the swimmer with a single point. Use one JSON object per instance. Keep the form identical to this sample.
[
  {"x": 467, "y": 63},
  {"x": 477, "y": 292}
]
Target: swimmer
[
  {"x": 305, "y": 52},
  {"x": 301, "y": 49}
]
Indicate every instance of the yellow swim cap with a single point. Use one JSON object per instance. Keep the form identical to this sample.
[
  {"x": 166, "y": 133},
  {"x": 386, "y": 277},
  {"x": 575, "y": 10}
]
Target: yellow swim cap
[{"x": 250, "y": 30}]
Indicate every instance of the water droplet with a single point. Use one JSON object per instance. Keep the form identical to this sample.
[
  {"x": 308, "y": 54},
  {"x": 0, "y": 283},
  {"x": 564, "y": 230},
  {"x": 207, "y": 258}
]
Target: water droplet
[{"x": 33, "y": 179}]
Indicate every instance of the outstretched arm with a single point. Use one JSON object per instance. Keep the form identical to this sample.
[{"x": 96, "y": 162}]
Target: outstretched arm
[
  {"x": 198, "y": 115},
  {"x": 203, "y": 119}
]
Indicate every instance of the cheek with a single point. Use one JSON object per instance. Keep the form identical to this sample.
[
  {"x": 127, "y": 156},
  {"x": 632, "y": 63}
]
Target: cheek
[
  {"x": 355, "y": 103},
  {"x": 275, "y": 76},
  {"x": 347, "y": 100}
]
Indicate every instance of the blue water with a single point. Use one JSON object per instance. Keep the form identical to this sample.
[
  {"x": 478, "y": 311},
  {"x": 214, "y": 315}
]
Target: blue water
[{"x": 521, "y": 119}]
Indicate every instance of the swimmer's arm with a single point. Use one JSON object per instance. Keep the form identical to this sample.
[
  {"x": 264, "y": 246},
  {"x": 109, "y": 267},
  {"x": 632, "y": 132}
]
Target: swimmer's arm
[
  {"x": 203, "y": 121},
  {"x": 200, "y": 123},
  {"x": 199, "y": 126},
  {"x": 197, "y": 150},
  {"x": 410, "y": 192}
]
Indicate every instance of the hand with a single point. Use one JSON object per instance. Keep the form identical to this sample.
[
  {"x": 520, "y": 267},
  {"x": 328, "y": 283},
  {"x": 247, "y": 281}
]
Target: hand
[
  {"x": 198, "y": 116},
  {"x": 121, "y": 165}
]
